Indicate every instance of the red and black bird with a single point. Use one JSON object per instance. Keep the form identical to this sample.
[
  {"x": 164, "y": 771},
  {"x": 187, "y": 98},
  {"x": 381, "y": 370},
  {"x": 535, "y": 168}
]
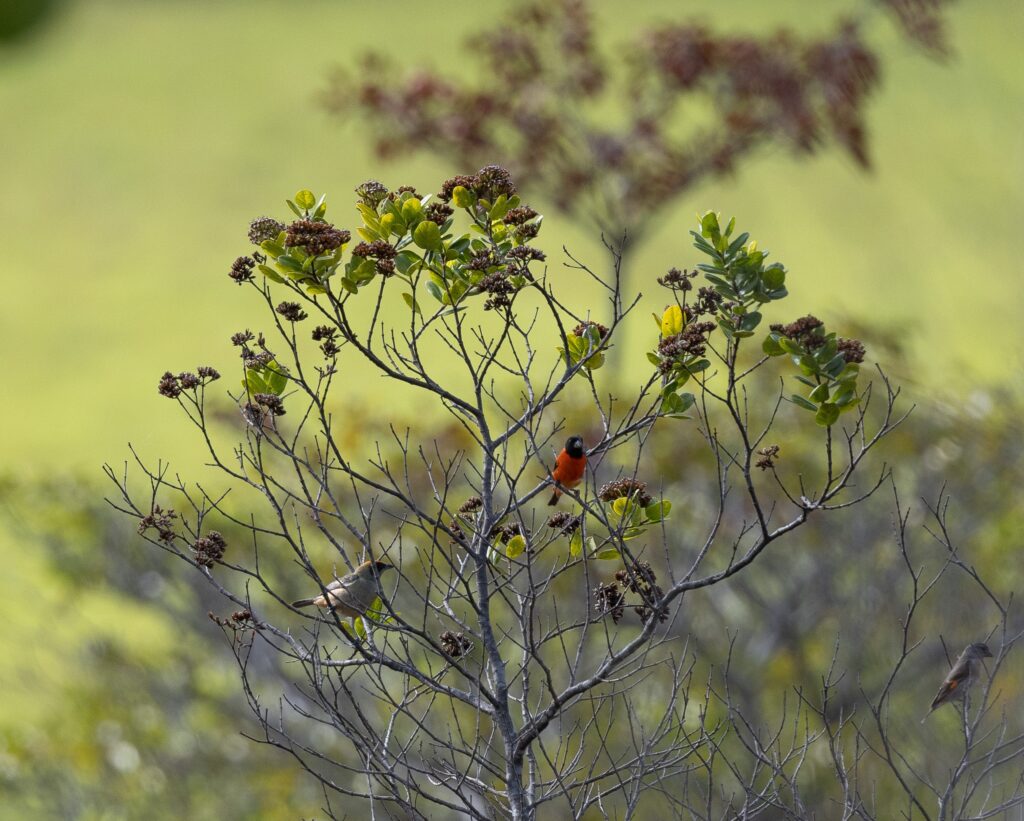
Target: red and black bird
[{"x": 569, "y": 466}]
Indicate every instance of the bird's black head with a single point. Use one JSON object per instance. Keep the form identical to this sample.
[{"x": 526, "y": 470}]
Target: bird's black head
[
  {"x": 574, "y": 446},
  {"x": 981, "y": 650},
  {"x": 382, "y": 566}
]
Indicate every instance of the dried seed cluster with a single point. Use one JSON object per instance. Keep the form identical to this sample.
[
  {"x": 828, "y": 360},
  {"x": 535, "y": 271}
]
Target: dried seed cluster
[{"x": 625, "y": 488}]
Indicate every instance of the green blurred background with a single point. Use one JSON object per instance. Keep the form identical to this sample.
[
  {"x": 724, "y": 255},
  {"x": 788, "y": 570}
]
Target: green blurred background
[{"x": 139, "y": 137}]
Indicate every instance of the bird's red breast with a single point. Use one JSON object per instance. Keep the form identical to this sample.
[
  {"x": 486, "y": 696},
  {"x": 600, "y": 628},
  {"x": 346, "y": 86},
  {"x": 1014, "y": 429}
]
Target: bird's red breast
[
  {"x": 568, "y": 469},
  {"x": 570, "y": 465}
]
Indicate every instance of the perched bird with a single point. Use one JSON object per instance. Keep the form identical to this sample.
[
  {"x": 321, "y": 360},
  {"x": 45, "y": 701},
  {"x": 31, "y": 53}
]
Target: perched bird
[
  {"x": 569, "y": 466},
  {"x": 962, "y": 676},
  {"x": 351, "y": 595}
]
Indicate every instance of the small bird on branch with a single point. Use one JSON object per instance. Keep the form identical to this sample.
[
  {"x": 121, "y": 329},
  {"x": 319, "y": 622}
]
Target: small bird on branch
[
  {"x": 351, "y": 595},
  {"x": 961, "y": 677},
  {"x": 569, "y": 467}
]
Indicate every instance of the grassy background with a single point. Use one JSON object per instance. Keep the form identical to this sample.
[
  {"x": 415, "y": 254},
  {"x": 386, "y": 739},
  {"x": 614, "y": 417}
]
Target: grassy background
[{"x": 140, "y": 137}]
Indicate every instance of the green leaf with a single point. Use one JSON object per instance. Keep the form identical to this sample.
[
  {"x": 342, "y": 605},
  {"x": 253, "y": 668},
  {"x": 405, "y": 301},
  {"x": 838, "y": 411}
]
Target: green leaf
[
  {"x": 405, "y": 260},
  {"x": 369, "y": 216},
  {"x": 253, "y": 382},
  {"x": 827, "y": 414},
  {"x": 295, "y": 209},
  {"x": 607, "y": 553},
  {"x": 454, "y": 293},
  {"x": 737, "y": 243},
  {"x": 835, "y": 366},
  {"x": 845, "y": 398},
  {"x": 796, "y": 399},
  {"x": 702, "y": 245},
  {"x": 771, "y": 346},
  {"x": 790, "y": 346},
  {"x": 462, "y": 197},
  {"x": 411, "y": 302},
  {"x": 412, "y": 210},
  {"x": 362, "y": 270},
  {"x": 276, "y": 377},
  {"x": 272, "y": 248},
  {"x": 515, "y": 547},
  {"x": 270, "y": 273},
  {"x": 773, "y": 277},
  {"x": 748, "y": 322},
  {"x": 753, "y": 260},
  {"x": 709, "y": 226},
  {"x": 676, "y": 404},
  {"x": 653, "y": 358},
  {"x": 305, "y": 199},
  {"x": 376, "y": 613},
  {"x": 808, "y": 365},
  {"x": 289, "y": 263},
  {"x": 658, "y": 511},
  {"x": 500, "y": 208},
  {"x": 576, "y": 543},
  {"x": 435, "y": 291},
  {"x": 427, "y": 235},
  {"x": 819, "y": 394},
  {"x": 459, "y": 246}
]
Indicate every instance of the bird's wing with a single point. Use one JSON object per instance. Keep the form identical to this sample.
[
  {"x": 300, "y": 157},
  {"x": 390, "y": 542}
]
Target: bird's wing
[
  {"x": 361, "y": 596},
  {"x": 342, "y": 583},
  {"x": 951, "y": 686}
]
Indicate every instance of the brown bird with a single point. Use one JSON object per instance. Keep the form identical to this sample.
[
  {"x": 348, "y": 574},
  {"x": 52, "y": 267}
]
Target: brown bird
[
  {"x": 351, "y": 595},
  {"x": 569, "y": 466},
  {"x": 962, "y": 676}
]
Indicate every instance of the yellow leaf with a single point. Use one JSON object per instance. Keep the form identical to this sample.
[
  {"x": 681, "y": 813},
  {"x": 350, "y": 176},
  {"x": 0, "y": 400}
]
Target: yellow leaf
[
  {"x": 672, "y": 321},
  {"x": 516, "y": 545}
]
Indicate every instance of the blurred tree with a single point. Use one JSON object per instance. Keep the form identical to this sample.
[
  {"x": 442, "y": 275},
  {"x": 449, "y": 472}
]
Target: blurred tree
[
  {"x": 22, "y": 18},
  {"x": 147, "y": 724},
  {"x": 614, "y": 137}
]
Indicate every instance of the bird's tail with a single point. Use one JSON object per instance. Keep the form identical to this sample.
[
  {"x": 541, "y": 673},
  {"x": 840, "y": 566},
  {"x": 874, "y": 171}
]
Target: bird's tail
[
  {"x": 554, "y": 497},
  {"x": 303, "y": 602}
]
